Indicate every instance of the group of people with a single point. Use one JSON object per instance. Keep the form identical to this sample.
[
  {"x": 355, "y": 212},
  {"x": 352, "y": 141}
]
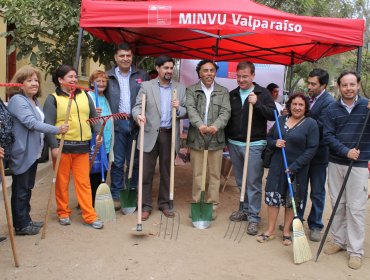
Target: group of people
[{"x": 317, "y": 131}]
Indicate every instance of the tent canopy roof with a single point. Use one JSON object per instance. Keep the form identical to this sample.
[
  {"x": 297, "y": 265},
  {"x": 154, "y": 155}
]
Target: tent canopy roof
[{"x": 232, "y": 30}]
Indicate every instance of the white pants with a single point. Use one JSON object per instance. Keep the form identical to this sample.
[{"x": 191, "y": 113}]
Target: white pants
[{"x": 348, "y": 227}]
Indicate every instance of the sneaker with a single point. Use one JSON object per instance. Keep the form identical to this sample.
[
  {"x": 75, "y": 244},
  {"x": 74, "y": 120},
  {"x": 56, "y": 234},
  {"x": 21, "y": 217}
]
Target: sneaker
[
  {"x": 238, "y": 216},
  {"x": 315, "y": 235},
  {"x": 355, "y": 262},
  {"x": 97, "y": 224},
  {"x": 65, "y": 221},
  {"x": 28, "y": 230},
  {"x": 252, "y": 228},
  {"x": 332, "y": 248},
  {"x": 117, "y": 204},
  {"x": 37, "y": 224}
]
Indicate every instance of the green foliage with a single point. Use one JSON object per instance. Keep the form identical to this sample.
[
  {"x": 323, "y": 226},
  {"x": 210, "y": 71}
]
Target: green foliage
[
  {"x": 46, "y": 32},
  {"x": 335, "y": 8}
]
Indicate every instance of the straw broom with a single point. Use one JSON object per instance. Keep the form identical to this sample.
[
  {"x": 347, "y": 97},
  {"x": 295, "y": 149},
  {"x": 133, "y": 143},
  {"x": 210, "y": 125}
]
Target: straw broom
[
  {"x": 301, "y": 248},
  {"x": 104, "y": 206}
]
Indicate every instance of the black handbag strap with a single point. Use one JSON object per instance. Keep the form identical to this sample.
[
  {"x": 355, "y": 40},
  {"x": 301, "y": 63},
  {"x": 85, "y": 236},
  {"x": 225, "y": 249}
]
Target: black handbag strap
[{"x": 294, "y": 127}]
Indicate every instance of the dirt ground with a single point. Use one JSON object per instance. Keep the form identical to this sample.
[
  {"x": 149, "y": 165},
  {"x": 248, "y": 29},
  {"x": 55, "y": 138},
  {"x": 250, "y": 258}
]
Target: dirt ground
[{"x": 80, "y": 252}]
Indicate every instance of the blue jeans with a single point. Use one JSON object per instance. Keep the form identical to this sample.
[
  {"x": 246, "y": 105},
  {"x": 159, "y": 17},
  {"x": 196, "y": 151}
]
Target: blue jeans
[
  {"x": 122, "y": 152},
  {"x": 253, "y": 194},
  {"x": 317, "y": 178},
  {"x": 22, "y": 186}
]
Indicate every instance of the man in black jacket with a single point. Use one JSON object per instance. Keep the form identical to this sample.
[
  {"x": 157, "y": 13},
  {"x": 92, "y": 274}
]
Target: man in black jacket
[
  {"x": 236, "y": 132},
  {"x": 320, "y": 99},
  {"x": 123, "y": 86}
]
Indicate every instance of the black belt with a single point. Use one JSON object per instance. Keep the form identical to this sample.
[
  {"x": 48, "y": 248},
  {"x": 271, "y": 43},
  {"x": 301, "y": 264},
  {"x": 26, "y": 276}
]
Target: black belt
[
  {"x": 69, "y": 142},
  {"x": 164, "y": 129}
]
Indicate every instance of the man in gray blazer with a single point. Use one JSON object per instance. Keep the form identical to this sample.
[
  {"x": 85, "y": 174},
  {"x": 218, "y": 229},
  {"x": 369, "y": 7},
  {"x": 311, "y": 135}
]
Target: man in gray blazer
[
  {"x": 320, "y": 99},
  {"x": 158, "y": 128}
]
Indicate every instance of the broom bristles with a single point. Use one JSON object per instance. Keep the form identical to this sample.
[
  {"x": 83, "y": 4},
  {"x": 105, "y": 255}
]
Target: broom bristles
[
  {"x": 301, "y": 248},
  {"x": 104, "y": 206}
]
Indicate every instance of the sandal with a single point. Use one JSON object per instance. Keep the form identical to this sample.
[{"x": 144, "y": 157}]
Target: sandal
[
  {"x": 287, "y": 240},
  {"x": 262, "y": 238}
]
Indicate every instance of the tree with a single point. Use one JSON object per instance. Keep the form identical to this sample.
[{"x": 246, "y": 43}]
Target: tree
[
  {"x": 46, "y": 32},
  {"x": 336, "y": 8}
]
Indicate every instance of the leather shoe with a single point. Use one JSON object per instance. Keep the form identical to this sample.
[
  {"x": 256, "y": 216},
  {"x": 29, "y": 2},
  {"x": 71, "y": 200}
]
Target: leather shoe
[
  {"x": 145, "y": 215},
  {"x": 168, "y": 213},
  {"x": 29, "y": 230},
  {"x": 37, "y": 224}
]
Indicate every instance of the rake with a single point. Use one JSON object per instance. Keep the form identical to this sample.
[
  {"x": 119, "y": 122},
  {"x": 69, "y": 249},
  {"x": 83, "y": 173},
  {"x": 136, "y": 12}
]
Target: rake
[
  {"x": 11, "y": 85},
  {"x": 103, "y": 120},
  {"x": 61, "y": 144},
  {"x": 244, "y": 182},
  {"x": 74, "y": 87},
  {"x": 176, "y": 216}
]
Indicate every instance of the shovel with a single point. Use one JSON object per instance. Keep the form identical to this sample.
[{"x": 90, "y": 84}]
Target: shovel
[
  {"x": 128, "y": 198},
  {"x": 201, "y": 212}
]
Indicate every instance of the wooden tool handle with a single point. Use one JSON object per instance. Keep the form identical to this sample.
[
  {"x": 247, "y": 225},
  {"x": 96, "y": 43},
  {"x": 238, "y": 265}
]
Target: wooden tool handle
[
  {"x": 246, "y": 158},
  {"x": 61, "y": 144},
  {"x": 132, "y": 158},
  {"x": 141, "y": 157},
  {"x": 173, "y": 146},
  {"x": 8, "y": 218}
]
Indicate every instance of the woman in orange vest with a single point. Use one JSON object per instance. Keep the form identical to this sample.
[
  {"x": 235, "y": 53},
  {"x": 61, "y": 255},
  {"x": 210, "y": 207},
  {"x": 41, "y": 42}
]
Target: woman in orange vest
[{"x": 75, "y": 153}]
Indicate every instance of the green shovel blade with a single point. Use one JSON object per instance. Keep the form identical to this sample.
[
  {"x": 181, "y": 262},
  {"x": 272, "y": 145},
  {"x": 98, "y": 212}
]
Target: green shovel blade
[
  {"x": 201, "y": 214},
  {"x": 128, "y": 201}
]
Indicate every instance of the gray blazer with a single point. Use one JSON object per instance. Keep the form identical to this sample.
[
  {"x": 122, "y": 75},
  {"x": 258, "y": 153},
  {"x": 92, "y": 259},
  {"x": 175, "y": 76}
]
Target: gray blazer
[
  {"x": 153, "y": 111},
  {"x": 26, "y": 129}
]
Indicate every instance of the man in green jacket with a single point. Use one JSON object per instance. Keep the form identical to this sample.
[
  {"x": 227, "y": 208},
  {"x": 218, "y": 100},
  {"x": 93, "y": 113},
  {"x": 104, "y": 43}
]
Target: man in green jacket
[{"x": 208, "y": 108}]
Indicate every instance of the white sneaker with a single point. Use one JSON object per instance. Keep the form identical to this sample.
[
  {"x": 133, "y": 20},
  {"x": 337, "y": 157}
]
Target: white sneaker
[
  {"x": 97, "y": 224},
  {"x": 65, "y": 221}
]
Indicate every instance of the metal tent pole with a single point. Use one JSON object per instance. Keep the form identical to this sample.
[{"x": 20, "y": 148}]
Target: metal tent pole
[{"x": 78, "y": 52}]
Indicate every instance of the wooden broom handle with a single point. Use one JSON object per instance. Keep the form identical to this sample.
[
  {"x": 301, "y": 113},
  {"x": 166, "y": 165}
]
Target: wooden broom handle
[{"x": 96, "y": 146}]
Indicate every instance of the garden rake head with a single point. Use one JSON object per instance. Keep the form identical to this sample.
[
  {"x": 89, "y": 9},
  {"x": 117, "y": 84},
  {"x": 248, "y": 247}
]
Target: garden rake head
[
  {"x": 11, "y": 85},
  {"x": 104, "y": 119},
  {"x": 74, "y": 87},
  {"x": 171, "y": 225},
  {"x": 239, "y": 230}
]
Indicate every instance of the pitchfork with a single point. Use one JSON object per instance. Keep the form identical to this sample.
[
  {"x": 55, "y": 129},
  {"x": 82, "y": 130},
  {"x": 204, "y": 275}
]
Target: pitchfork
[
  {"x": 103, "y": 120},
  {"x": 244, "y": 182},
  {"x": 176, "y": 216}
]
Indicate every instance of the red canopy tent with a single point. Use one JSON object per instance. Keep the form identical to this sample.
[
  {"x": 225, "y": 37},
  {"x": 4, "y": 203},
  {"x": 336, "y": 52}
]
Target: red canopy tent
[{"x": 231, "y": 30}]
